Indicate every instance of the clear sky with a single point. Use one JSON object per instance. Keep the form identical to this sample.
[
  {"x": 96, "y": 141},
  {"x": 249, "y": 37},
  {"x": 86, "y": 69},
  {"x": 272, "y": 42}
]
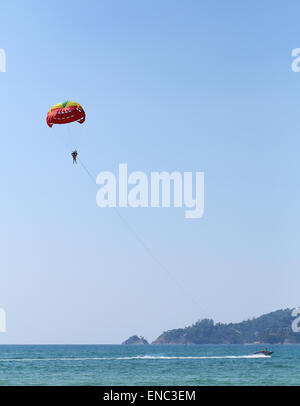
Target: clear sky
[{"x": 166, "y": 85}]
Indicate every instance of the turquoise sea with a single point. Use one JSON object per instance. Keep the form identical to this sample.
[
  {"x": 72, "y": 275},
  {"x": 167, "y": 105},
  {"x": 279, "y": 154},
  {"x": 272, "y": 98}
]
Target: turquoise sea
[{"x": 148, "y": 365}]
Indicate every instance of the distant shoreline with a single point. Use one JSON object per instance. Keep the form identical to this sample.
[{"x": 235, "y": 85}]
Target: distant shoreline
[{"x": 268, "y": 329}]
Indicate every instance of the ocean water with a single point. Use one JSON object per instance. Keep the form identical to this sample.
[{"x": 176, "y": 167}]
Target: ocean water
[{"x": 148, "y": 365}]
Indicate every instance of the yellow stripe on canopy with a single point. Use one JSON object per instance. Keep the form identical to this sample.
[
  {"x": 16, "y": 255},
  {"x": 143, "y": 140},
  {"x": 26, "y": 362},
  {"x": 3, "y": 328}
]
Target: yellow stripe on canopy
[{"x": 65, "y": 104}]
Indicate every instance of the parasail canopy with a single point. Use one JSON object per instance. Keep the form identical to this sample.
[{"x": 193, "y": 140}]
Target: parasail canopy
[{"x": 64, "y": 113}]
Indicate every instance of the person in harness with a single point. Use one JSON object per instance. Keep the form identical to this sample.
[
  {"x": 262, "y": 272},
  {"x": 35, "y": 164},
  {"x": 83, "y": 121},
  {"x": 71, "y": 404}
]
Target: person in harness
[{"x": 74, "y": 156}]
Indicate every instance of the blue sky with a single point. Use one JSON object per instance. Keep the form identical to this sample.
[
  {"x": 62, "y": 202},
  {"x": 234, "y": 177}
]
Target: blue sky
[{"x": 188, "y": 86}]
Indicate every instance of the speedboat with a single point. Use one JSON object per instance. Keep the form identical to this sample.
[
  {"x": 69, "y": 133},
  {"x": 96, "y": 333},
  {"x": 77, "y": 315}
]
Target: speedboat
[{"x": 263, "y": 352}]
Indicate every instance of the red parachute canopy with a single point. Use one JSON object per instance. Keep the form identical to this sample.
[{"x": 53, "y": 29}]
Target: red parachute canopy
[{"x": 64, "y": 113}]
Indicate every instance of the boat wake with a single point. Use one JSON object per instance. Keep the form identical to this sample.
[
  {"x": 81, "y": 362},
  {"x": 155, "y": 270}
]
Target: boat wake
[{"x": 138, "y": 357}]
